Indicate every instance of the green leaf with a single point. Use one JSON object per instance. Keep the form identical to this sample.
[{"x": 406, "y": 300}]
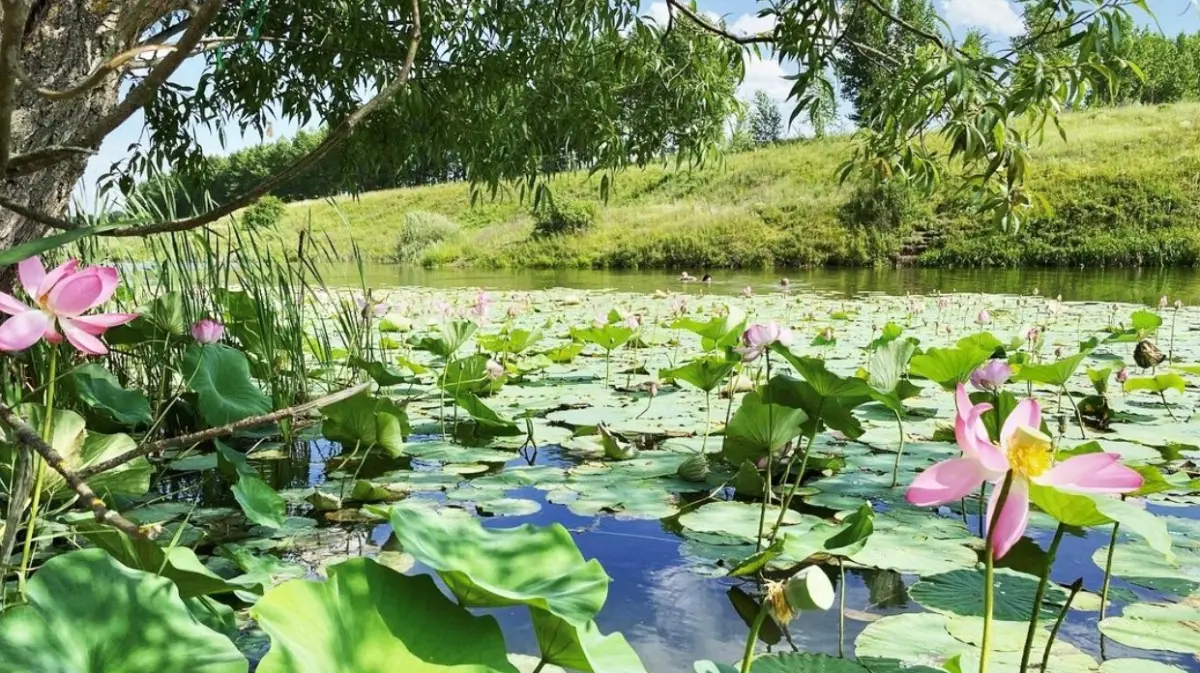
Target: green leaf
[
  {"x": 365, "y": 421},
  {"x": 86, "y": 613},
  {"x": 1155, "y": 626},
  {"x": 497, "y": 567},
  {"x": 757, "y": 561},
  {"x": 22, "y": 252},
  {"x": 1145, "y": 321},
  {"x": 491, "y": 422},
  {"x": 510, "y": 341},
  {"x": 706, "y": 373},
  {"x": 804, "y": 662},
  {"x": 365, "y": 618},
  {"x": 857, "y": 528},
  {"x": 888, "y": 364},
  {"x": 469, "y": 375},
  {"x": 1054, "y": 373},
  {"x": 178, "y": 564},
  {"x": 582, "y": 648},
  {"x": 1132, "y": 518},
  {"x": 220, "y": 377},
  {"x": 452, "y": 336},
  {"x": 747, "y": 481},
  {"x": 1073, "y": 509},
  {"x": 948, "y": 367},
  {"x": 1156, "y": 384},
  {"x": 758, "y": 429},
  {"x": 722, "y": 331},
  {"x": 81, "y": 449},
  {"x": 823, "y": 404},
  {"x": 565, "y": 353},
  {"x": 960, "y": 592},
  {"x": 96, "y": 387},
  {"x": 607, "y": 337},
  {"x": 383, "y": 374}
]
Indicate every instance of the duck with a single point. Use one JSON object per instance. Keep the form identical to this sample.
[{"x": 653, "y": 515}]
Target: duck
[
  {"x": 706, "y": 279},
  {"x": 686, "y": 277},
  {"x": 785, "y": 282}
]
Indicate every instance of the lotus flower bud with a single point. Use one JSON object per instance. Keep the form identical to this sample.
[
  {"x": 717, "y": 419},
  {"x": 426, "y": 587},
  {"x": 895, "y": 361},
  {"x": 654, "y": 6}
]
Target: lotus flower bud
[
  {"x": 1162, "y": 302},
  {"x": 1122, "y": 375},
  {"x": 747, "y": 292},
  {"x": 983, "y": 318},
  {"x": 1178, "y": 304},
  {"x": 827, "y": 334},
  {"x": 493, "y": 369},
  {"x": 208, "y": 331}
]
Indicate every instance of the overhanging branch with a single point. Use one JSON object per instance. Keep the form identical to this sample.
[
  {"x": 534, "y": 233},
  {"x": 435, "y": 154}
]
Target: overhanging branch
[{"x": 760, "y": 38}]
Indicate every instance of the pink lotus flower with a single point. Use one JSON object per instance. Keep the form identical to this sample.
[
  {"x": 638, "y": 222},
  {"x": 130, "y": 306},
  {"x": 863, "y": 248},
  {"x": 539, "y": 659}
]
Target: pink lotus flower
[
  {"x": 1033, "y": 335},
  {"x": 992, "y": 376},
  {"x": 493, "y": 370},
  {"x": 758, "y": 338},
  {"x": 747, "y": 292},
  {"x": 632, "y": 321},
  {"x": 208, "y": 331},
  {"x": 1122, "y": 375},
  {"x": 483, "y": 305},
  {"x": 61, "y": 296},
  {"x": 984, "y": 318},
  {"x": 1024, "y": 451}
]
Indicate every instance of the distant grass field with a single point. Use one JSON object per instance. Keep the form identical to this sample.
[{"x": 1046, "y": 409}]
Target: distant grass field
[{"x": 1124, "y": 191}]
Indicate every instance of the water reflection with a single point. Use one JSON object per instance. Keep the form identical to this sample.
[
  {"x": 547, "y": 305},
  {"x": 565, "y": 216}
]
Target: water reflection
[{"x": 1135, "y": 285}]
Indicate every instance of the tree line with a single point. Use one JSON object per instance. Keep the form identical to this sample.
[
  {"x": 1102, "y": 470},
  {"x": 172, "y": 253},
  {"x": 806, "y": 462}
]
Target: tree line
[{"x": 1157, "y": 69}]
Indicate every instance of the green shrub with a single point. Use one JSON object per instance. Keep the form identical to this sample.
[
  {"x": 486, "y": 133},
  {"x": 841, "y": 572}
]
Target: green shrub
[
  {"x": 422, "y": 230},
  {"x": 266, "y": 212},
  {"x": 565, "y": 217},
  {"x": 889, "y": 207}
]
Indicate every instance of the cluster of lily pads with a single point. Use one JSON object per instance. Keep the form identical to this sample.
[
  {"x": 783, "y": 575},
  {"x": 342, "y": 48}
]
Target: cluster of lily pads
[{"x": 785, "y": 436}]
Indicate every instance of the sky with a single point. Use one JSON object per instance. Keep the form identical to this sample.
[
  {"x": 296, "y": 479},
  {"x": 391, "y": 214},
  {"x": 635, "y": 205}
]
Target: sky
[{"x": 1000, "y": 19}]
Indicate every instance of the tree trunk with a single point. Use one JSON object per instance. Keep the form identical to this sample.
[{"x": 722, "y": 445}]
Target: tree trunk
[{"x": 65, "y": 40}]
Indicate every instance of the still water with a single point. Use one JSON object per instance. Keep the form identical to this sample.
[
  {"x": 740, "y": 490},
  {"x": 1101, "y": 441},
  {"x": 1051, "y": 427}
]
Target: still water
[
  {"x": 674, "y": 616},
  {"x": 1139, "y": 286}
]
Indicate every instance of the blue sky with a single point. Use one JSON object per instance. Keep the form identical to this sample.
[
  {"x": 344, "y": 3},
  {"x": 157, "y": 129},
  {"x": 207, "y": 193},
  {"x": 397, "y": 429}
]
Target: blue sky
[{"x": 999, "y": 18}]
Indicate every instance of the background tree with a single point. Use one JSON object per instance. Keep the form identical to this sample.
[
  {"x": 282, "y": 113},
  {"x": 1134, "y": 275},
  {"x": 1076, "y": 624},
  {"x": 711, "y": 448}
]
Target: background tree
[
  {"x": 766, "y": 122},
  {"x": 862, "y": 74},
  {"x": 440, "y": 81}
]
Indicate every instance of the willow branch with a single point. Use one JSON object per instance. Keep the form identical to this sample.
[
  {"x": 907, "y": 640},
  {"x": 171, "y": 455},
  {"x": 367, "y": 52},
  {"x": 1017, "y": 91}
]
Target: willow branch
[
  {"x": 141, "y": 95},
  {"x": 88, "y": 83},
  {"x": 12, "y": 32},
  {"x": 28, "y": 436},
  {"x": 334, "y": 138},
  {"x": 194, "y": 438},
  {"x": 899, "y": 21},
  {"x": 700, "y": 21}
]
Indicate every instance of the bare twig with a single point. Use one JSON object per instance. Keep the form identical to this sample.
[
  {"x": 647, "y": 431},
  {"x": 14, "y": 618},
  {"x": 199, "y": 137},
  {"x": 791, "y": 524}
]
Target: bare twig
[
  {"x": 700, "y": 21},
  {"x": 334, "y": 138},
  {"x": 12, "y": 32},
  {"x": 28, "y": 436},
  {"x": 223, "y": 431},
  {"x": 141, "y": 94}
]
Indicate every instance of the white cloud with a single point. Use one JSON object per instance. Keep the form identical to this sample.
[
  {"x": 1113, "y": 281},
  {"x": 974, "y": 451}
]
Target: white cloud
[
  {"x": 749, "y": 24},
  {"x": 996, "y": 17},
  {"x": 766, "y": 74}
]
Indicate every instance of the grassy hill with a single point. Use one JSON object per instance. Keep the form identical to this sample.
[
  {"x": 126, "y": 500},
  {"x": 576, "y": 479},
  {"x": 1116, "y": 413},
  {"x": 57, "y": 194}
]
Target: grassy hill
[{"x": 1124, "y": 190}]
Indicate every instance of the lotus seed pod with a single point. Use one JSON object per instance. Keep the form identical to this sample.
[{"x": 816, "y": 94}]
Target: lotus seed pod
[
  {"x": 694, "y": 468},
  {"x": 809, "y": 589}
]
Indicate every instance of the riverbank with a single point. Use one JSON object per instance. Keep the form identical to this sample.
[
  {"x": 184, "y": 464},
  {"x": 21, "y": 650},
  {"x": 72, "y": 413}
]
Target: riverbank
[{"x": 1123, "y": 191}]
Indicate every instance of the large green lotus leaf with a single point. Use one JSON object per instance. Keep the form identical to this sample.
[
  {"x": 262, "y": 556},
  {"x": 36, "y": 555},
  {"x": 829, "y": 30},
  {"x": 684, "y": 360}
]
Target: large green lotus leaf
[
  {"x": 1156, "y": 384},
  {"x": 220, "y": 377},
  {"x": 491, "y": 422},
  {"x": 1053, "y": 373},
  {"x": 706, "y": 373},
  {"x": 607, "y": 337},
  {"x": 100, "y": 390},
  {"x": 469, "y": 375},
  {"x": 364, "y": 421},
  {"x": 524, "y": 565},
  {"x": 132, "y": 478},
  {"x": 738, "y": 520},
  {"x": 1171, "y": 627},
  {"x": 641, "y": 499},
  {"x": 721, "y": 331},
  {"x": 1146, "y": 567},
  {"x": 452, "y": 335},
  {"x": 87, "y": 613},
  {"x": 911, "y": 550},
  {"x": 509, "y": 341},
  {"x": 1129, "y": 665},
  {"x": 960, "y": 592},
  {"x": 367, "y": 618},
  {"x": 929, "y": 639},
  {"x": 758, "y": 429},
  {"x": 179, "y": 564},
  {"x": 948, "y": 367},
  {"x": 888, "y": 364},
  {"x": 259, "y": 502},
  {"x": 582, "y": 648}
]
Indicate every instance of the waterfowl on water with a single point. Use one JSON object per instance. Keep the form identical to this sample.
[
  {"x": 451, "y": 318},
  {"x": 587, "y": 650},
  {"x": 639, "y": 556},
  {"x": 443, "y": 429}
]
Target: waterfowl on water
[
  {"x": 686, "y": 277},
  {"x": 706, "y": 279},
  {"x": 785, "y": 282}
]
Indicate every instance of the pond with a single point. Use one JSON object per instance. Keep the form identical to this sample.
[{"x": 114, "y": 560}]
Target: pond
[{"x": 668, "y": 544}]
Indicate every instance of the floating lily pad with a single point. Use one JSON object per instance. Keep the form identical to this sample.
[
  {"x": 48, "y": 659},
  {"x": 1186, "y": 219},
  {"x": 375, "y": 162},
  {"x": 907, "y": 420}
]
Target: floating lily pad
[{"x": 1173, "y": 627}]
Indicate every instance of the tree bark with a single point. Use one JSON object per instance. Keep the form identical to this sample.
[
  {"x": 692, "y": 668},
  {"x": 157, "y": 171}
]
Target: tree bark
[{"x": 65, "y": 40}]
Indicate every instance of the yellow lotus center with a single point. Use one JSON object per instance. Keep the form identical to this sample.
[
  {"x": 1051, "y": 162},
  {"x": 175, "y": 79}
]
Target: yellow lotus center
[{"x": 1029, "y": 452}]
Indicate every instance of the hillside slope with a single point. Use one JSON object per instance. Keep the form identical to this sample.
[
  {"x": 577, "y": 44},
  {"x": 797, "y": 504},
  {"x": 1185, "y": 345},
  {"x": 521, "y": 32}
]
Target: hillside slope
[{"x": 1124, "y": 190}]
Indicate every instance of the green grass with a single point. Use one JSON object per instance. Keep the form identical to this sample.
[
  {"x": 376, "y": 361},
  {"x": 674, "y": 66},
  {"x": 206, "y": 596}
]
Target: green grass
[{"x": 1124, "y": 190}]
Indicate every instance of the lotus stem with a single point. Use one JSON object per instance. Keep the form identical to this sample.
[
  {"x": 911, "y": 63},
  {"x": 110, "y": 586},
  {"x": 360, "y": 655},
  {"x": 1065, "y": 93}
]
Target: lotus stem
[
  {"x": 707, "y": 419},
  {"x": 1163, "y": 394},
  {"x": 989, "y": 571},
  {"x": 1171, "y": 347},
  {"x": 762, "y": 513},
  {"x": 748, "y": 654},
  {"x": 540, "y": 665},
  {"x": 1078, "y": 416},
  {"x": 899, "y": 450},
  {"x": 1062, "y": 615},
  {"x": 39, "y": 469},
  {"x": 1040, "y": 594},
  {"x": 841, "y": 607},
  {"x": 1112, "y": 546}
]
